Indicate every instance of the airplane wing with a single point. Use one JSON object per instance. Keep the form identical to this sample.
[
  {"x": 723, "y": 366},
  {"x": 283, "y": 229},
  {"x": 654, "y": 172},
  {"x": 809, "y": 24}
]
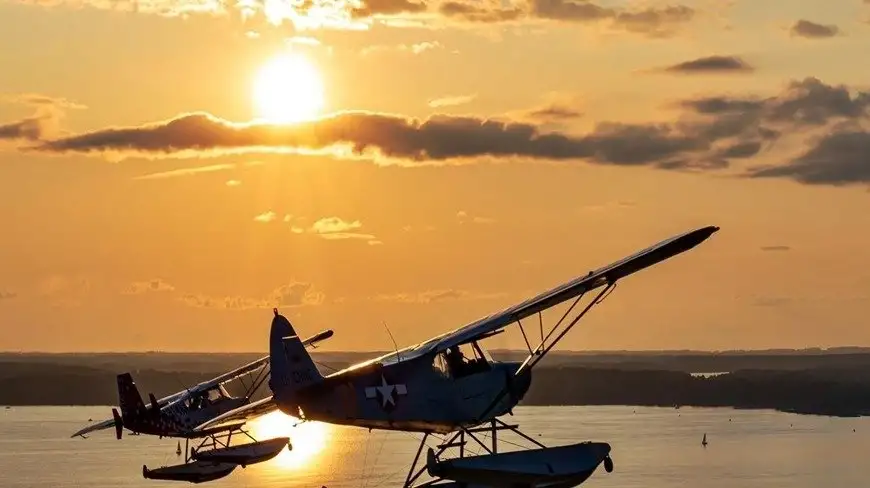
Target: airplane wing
[
  {"x": 106, "y": 424},
  {"x": 492, "y": 324},
  {"x": 248, "y": 368},
  {"x": 254, "y": 365},
  {"x": 242, "y": 414}
]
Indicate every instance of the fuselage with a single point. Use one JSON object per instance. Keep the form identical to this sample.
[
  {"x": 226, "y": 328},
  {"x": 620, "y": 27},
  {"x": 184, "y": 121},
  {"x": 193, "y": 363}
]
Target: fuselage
[
  {"x": 178, "y": 419},
  {"x": 417, "y": 395}
]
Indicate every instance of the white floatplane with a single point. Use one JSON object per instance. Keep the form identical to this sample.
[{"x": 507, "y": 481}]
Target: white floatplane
[
  {"x": 450, "y": 385},
  {"x": 180, "y": 415}
]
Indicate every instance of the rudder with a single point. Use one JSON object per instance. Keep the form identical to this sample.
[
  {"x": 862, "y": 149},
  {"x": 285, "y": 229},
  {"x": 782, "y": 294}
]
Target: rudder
[
  {"x": 129, "y": 398},
  {"x": 291, "y": 366}
]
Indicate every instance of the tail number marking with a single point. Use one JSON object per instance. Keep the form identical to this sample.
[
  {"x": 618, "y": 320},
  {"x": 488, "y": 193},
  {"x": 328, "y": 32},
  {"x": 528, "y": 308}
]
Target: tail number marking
[{"x": 303, "y": 376}]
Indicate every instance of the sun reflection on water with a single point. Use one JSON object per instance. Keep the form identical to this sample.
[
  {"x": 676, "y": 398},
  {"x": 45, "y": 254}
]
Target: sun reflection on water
[{"x": 309, "y": 439}]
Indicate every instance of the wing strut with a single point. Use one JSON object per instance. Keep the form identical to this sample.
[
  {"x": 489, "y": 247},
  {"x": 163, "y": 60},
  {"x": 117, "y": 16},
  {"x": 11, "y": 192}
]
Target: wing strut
[
  {"x": 543, "y": 348},
  {"x": 541, "y": 351}
]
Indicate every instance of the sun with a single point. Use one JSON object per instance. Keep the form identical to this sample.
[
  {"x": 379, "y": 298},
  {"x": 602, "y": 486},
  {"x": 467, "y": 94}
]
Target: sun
[
  {"x": 309, "y": 439},
  {"x": 288, "y": 89}
]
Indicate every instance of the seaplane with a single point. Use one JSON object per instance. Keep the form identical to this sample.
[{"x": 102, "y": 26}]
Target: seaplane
[
  {"x": 450, "y": 387},
  {"x": 178, "y": 416}
]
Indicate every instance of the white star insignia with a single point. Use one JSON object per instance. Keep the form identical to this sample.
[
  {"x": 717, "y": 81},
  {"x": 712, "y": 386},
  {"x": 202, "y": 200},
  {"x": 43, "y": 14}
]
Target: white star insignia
[{"x": 386, "y": 390}]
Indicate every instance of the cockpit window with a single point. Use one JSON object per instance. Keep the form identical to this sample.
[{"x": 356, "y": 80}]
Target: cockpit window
[
  {"x": 214, "y": 395},
  {"x": 464, "y": 360},
  {"x": 440, "y": 365}
]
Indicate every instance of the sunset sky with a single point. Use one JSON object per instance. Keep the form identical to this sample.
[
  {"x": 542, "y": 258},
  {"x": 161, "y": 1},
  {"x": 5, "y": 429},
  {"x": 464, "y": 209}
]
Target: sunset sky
[{"x": 170, "y": 170}]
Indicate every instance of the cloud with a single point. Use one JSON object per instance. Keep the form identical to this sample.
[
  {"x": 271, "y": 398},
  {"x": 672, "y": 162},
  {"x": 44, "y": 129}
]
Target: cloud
[
  {"x": 48, "y": 112},
  {"x": 554, "y": 112},
  {"x": 140, "y": 287},
  {"x": 360, "y": 14},
  {"x": 711, "y": 64},
  {"x": 329, "y": 225},
  {"x": 839, "y": 158},
  {"x": 185, "y": 171},
  {"x": 40, "y": 100},
  {"x": 652, "y": 21},
  {"x": 417, "y": 48},
  {"x": 233, "y": 183},
  {"x": 7, "y": 295},
  {"x": 776, "y": 248},
  {"x": 435, "y": 296},
  {"x": 334, "y": 228},
  {"x": 266, "y": 217},
  {"x": 296, "y": 294},
  {"x": 387, "y": 7},
  {"x": 30, "y": 128},
  {"x": 812, "y": 30},
  {"x": 805, "y": 103},
  {"x": 479, "y": 14},
  {"x": 463, "y": 217},
  {"x": 710, "y": 133},
  {"x": 438, "y": 138},
  {"x": 291, "y": 295},
  {"x": 452, "y": 100}
]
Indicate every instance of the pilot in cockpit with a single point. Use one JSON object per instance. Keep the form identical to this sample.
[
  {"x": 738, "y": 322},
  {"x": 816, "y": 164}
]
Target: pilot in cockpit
[
  {"x": 195, "y": 403},
  {"x": 455, "y": 361}
]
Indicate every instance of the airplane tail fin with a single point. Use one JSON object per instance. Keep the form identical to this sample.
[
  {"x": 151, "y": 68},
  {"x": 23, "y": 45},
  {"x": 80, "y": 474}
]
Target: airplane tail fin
[
  {"x": 291, "y": 366},
  {"x": 129, "y": 398}
]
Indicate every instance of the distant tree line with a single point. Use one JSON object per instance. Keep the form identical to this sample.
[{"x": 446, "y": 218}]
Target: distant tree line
[{"x": 832, "y": 390}]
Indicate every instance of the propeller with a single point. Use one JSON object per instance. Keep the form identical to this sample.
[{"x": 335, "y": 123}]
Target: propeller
[{"x": 119, "y": 423}]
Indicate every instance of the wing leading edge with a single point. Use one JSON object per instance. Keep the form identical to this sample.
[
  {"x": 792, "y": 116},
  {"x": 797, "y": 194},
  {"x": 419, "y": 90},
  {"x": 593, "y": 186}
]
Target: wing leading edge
[
  {"x": 242, "y": 414},
  {"x": 572, "y": 289}
]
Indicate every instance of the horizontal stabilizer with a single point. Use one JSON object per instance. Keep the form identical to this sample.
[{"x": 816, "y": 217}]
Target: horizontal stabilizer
[{"x": 317, "y": 338}]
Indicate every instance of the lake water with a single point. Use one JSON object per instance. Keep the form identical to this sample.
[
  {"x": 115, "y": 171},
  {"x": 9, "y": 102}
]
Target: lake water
[{"x": 652, "y": 448}]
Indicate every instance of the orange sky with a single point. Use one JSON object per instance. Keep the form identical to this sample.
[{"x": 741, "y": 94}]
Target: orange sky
[{"x": 171, "y": 170}]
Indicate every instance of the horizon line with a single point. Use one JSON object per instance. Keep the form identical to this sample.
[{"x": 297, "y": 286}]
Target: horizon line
[{"x": 503, "y": 350}]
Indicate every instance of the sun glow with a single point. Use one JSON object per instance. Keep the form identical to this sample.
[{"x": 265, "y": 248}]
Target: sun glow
[
  {"x": 288, "y": 89},
  {"x": 308, "y": 439}
]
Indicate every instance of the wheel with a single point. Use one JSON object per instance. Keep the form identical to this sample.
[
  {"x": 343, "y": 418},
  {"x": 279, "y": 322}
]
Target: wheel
[{"x": 608, "y": 464}]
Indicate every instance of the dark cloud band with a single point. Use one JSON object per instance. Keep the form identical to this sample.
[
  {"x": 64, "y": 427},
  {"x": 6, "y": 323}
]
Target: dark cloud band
[{"x": 710, "y": 134}]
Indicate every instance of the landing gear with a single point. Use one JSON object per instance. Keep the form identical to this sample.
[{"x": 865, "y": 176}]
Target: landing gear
[
  {"x": 458, "y": 441},
  {"x": 568, "y": 465}
]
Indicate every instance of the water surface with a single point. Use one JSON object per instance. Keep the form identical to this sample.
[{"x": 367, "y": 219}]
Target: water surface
[{"x": 652, "y": 448}]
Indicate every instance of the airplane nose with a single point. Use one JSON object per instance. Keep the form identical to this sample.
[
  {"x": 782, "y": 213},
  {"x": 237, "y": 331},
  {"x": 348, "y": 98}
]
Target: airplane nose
[
  {"x": 525, "y": 381},
  {"x": 519, "y": 384}
]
